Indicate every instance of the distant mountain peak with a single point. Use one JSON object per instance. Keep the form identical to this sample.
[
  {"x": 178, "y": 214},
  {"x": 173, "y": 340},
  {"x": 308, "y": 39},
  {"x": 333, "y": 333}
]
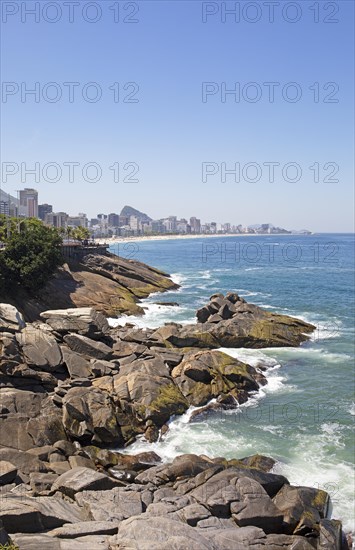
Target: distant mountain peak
[{"x": 130, "y": 211}]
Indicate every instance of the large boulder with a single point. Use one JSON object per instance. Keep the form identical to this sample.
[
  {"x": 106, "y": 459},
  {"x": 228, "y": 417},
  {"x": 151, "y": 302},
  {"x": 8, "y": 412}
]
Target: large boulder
[
  {"x": 231, "y": 322},
  {"x": 302, "y": 508},
  {"x": 113, "y": 505},
  {"x": 148, "y": 386},
  {"x": 146, "y": 533},
  {"x": 83, "y": 320},
  {"x": 43, "y": 541},
  {"x": 32, "y": 515},
  {"x": 29, "y": 419},
  {"x": 40, "y": 349},
  {"x": 255, "y": 507},
  {"x": 78, "y": 366},
  {"x": 205, "y": 375},
  {"x": 82, "y": 479},
  {"x": 88, "y": 347},
  {"x": 22, "y": 460},
  {"x": 85, "y": 528},
  {"x": 89, "y": 416},
  {"x": 11, "y": 320}
]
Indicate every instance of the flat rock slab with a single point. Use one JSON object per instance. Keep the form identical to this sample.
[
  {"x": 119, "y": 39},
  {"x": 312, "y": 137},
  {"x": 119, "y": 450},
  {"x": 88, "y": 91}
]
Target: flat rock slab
[
  {"x": 115, "y": 505},
  {"x": 46, "y": 542},
  {"x": 83, "y": 320},
  {"x": 148, "y": 533},
  {"x": 25, "y": 462},
  {"x": 86, "y": 346},
  {"x": 80, "y": 479},
  {"x": 33, "y": 515},
  {"x": 85, "y": 528}
]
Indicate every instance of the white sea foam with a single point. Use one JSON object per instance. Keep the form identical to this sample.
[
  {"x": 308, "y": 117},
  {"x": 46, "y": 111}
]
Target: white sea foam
[
  {"x": 313, "y": 465},
  {"x": 155, "y": 316},
  {"x": 331, "y": 327},
  {"x": 205, "y": 274},
  {"x": 178, "y": 278}
]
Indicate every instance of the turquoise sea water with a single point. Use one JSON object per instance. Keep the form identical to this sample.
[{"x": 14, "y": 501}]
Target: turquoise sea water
[{"x": 304, "y": 417}]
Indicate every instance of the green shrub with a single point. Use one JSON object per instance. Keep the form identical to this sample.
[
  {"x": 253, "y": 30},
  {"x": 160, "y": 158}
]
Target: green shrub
[{"x": 30, "y": 257}]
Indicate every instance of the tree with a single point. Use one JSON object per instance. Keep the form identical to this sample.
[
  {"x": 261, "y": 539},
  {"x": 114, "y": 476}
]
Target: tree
[
  {"x": 80, "y": 233},
  {"x": 31, "y": 255}
]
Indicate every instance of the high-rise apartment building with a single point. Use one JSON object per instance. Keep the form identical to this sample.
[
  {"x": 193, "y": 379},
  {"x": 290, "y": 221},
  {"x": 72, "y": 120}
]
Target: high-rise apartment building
[
  {"x": 56, "y": 219},
  {"x": 44, "y": 209},
  {"x": 29, "y": 203},
  {"x": 195, "y": 224}
]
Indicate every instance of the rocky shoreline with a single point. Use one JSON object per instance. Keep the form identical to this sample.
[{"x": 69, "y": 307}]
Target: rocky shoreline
[
  {"x": 109, "y": 283},
  {"x": 73, "y": 389}
]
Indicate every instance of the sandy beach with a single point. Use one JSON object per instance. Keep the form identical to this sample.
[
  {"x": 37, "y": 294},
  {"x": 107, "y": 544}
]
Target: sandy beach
[{"x": 114, "y": 240}]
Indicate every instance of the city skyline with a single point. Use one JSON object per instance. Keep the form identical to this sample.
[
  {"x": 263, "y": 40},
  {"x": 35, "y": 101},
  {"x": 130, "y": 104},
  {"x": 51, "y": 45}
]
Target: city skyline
[{"x": 27, "y": 205}]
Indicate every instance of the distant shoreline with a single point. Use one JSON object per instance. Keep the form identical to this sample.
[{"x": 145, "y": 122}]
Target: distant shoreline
[{"x": 141, "y": 238}]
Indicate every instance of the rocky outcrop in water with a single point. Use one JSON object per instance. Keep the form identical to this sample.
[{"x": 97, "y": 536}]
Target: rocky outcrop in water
[{"x": 231, "y": 322}]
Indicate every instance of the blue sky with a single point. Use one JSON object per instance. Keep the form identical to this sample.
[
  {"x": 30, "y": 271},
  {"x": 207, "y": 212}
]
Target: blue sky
[{"x": 170, "y": 132}]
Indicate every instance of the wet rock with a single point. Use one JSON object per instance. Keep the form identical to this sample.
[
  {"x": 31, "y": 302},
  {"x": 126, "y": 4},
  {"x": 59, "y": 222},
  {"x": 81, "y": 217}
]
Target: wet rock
[
  {"x": 330, "y": 535},
  {"x": 264, "y": 463},
  {"x": 302, "y": 507},
  {"x": 205, "y": 375}
]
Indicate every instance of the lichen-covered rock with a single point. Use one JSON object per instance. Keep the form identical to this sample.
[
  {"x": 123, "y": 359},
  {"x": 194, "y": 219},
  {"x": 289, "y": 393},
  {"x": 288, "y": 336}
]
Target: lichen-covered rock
[
  {"x": 302, "y": 507},
  {"x": 205, "y": 375},
  {"x": 231, "y": 322},
  {"x": 147, "y": 384}
]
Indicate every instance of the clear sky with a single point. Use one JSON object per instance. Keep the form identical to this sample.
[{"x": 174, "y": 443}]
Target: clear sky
[{"x": 172, "y": 142}]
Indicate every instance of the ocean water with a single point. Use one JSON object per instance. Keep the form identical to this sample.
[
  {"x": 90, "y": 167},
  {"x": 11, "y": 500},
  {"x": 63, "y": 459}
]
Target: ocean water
[{"x": 304, "y": 417}]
